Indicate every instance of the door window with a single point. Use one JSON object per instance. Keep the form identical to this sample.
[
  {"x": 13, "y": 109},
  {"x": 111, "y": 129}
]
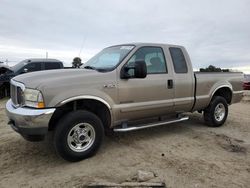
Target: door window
[{"x": 153, "y": 57}]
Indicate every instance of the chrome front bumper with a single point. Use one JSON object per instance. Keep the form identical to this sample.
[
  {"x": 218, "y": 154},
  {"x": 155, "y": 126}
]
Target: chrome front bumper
[{"x": 28, "y": 121}]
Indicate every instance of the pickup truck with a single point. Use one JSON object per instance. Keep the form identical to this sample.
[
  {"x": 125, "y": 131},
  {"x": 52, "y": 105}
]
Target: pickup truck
[
  {"x": 123, "y": 88},
  {"x": 27, "y": 65}
]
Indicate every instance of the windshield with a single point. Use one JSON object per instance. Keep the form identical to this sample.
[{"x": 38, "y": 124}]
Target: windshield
[
  {"x": 108, "y": 58},
  {"x": 18, "y": 66}
]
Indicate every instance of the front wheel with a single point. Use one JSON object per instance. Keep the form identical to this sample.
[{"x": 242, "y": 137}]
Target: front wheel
[
  {"x": 216, "y": 113},
  {"x": 78, "y": 135}
]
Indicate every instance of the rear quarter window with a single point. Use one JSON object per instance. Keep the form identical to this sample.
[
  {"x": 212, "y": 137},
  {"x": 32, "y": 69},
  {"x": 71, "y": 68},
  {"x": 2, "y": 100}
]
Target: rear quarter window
[{"x": 178, "y": 59}]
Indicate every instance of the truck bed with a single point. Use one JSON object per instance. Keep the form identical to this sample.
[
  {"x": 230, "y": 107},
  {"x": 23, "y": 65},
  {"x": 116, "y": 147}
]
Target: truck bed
[{"x": 207, "y": 83}]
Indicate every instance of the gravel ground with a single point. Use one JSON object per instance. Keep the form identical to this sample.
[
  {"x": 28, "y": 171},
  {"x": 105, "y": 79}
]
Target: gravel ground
[{"x": 186, "y": 154}]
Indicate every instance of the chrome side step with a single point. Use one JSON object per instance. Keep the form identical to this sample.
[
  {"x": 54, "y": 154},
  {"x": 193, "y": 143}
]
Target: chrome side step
[{"x": 126, "y": 128}]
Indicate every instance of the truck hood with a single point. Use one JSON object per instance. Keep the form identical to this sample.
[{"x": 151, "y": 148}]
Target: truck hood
[
  {"x": 4, "y": 69},
  {"x": 57, "y": 77},
  {"x": 5, "y": 74}
]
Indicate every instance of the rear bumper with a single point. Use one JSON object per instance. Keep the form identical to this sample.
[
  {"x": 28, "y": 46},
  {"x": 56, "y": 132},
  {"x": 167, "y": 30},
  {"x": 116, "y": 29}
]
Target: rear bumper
[{"x": 28, "y": 121}]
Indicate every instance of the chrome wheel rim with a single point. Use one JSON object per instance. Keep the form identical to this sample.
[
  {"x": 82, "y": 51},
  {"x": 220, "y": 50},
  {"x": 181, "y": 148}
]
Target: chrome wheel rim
[
  {"x": 81, "y": 137},
  {"x": 219, "y": 112}
]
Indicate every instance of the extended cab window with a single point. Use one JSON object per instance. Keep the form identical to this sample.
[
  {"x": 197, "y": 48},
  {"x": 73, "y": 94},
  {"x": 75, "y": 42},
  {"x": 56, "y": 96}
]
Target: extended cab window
[
  {"x": 180, "y": 65},
  {"x": 153, "y": 57},
  {"x": 51, "y": 65},
  {"x": 31, "y": 67}
]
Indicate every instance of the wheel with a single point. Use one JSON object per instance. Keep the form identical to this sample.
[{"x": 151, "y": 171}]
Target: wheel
[
  {"x": 78, "y": 135},
  {"x": 216, "y": 113}
]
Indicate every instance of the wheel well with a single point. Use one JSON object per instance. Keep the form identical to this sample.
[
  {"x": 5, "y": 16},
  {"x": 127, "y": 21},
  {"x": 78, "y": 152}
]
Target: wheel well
[
  {"x": 224, "y": 92},
  {"x": 96, "y": 107}
]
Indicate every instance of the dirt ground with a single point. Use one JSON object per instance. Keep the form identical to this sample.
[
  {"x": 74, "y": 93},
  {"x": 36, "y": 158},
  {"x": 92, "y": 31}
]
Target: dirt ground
[{"x": 186, "y": 154}]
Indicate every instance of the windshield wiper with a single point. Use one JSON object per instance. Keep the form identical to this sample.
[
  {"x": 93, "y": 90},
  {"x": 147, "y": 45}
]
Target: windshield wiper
[
  {"x": 89, "y": 67},
  {"x": 97, "y": 69}
]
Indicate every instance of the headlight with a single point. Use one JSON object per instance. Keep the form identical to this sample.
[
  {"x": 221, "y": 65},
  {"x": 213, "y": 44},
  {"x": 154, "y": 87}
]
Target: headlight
[{"x": 33, "y": 98}]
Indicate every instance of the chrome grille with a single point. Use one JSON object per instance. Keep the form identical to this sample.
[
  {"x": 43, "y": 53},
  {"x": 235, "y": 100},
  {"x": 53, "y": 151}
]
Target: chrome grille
[
  {"x": 19, "y": 96},
  {"x": 16, "y": 90},
  {"x": 13, "y": 94}
]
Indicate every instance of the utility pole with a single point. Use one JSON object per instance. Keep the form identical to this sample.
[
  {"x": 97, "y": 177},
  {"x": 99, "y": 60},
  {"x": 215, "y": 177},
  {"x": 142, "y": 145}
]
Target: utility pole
[{"x": 47, "y": 54}]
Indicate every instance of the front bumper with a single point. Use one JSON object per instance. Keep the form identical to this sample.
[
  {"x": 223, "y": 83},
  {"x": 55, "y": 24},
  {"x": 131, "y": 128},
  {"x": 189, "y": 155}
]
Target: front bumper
[{"x": 28, "y": 121}]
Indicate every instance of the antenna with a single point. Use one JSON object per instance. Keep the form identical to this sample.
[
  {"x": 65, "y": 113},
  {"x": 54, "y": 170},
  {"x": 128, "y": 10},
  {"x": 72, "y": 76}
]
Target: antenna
[{"x": 83, "y": 42}]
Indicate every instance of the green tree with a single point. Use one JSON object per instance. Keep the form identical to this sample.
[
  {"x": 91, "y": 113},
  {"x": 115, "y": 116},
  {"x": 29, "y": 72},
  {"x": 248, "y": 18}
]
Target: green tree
[
  {"x": 77, "y": 62},
  {"x": 211, "y": 68}
]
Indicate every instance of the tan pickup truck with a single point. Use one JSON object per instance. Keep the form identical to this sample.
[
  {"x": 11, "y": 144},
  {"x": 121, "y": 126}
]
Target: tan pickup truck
[{"x": 123, "y": 88}]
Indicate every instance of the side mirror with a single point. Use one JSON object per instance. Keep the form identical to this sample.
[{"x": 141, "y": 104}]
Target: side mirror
[
  {"x": 25, "y": 70},
  {"x": 140, "y": 70}
]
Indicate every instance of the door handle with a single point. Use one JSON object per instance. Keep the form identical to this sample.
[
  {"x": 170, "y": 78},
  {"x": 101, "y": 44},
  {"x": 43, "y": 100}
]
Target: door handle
[{"x": 170, "y": 84}]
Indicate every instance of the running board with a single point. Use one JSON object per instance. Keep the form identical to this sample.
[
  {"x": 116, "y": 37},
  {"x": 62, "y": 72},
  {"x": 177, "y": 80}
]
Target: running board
[{"x": 126, "y": 128}]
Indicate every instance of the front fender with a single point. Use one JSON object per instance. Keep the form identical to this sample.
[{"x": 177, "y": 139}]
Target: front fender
[{"x": 73, "y": 95}]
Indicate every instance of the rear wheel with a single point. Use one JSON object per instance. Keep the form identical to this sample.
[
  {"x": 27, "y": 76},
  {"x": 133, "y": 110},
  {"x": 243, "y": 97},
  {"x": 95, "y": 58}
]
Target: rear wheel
[
  {"x": 78, "y": 135},
  {"x": 216, "y": 113}
]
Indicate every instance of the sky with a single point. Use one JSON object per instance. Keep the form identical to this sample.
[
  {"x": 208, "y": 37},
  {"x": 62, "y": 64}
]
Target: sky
[{"x": 214, "y": 32}]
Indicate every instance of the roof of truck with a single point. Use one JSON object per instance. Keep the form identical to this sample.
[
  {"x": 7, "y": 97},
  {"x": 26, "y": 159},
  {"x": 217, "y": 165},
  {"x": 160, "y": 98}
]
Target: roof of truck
[
  {"x": 33, "y": 60},
  {"x": 148, "y": 44}
]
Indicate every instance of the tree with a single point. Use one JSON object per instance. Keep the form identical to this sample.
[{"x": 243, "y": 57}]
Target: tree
[
  {"x": 211, "y": 68},
  {"x": 77, "y": 62}
]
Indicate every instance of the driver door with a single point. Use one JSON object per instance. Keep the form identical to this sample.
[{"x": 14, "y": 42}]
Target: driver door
[{"x": 150, "y": 96}]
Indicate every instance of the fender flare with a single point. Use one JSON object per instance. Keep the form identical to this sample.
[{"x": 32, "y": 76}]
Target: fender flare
[
  {"x": 84, "y": 97},
  {"x": 222, "y": 86}
]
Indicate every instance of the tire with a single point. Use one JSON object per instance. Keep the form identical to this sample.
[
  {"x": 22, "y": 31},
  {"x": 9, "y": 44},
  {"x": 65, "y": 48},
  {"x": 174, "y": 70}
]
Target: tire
[
  {"x": 216, "y": 113},
  {"x": 78, "y": 135}
]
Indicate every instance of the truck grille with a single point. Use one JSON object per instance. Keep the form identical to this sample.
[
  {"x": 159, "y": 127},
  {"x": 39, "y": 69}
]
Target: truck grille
[{"x": 16, "y": 94}]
